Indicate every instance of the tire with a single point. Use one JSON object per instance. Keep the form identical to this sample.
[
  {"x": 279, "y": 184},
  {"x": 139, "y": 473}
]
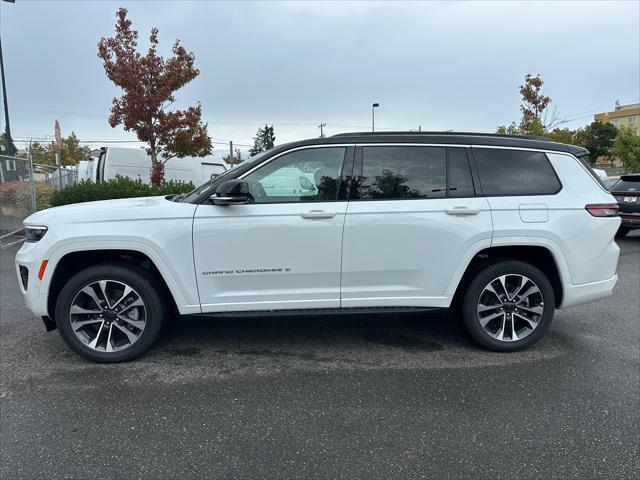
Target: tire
[
  {"x": 130, "y": 327},
  {"x": 622, "y": 231},
  {"x": 528, "y": 318}
]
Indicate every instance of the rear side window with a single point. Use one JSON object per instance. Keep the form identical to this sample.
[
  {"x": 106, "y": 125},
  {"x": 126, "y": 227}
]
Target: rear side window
[
  {"x": 409, "y": 172},
  {"x": 403, "y": 172},
  {"x": 515, "y": 172}
]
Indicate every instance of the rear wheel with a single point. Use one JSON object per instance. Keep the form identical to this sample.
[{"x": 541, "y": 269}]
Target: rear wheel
[
  {"x": 622, "y": 231},
  {"x": 508, "y": 306},
  {"x": 109, "y": 313}
]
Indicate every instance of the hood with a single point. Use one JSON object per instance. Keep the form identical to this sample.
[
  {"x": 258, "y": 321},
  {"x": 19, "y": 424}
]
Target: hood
[{"x": 141, "y": 208}]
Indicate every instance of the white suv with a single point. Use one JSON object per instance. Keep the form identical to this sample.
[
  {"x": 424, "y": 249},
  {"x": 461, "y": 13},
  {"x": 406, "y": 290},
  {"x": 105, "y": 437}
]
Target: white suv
[{"x": 506, "y": 228}]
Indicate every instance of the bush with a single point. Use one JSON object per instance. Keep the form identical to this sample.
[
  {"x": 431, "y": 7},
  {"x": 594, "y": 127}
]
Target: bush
[{"x": 119, "y": 187}]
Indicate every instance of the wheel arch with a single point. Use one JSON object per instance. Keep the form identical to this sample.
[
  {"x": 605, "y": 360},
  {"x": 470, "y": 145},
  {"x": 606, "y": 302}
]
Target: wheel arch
[
  {"x": 75, "y": 261},
  {"x": 539, "y": 256}
]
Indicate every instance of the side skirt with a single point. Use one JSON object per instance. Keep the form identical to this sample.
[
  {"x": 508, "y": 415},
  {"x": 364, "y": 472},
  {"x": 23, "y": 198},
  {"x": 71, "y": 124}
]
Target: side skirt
[{"x": 319, "y": 312}]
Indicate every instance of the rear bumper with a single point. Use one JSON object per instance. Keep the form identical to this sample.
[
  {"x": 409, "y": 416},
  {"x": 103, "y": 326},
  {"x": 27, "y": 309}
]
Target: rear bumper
[
  {"x": 631, "y": 221},
  {"x": 587, "y": 292}
]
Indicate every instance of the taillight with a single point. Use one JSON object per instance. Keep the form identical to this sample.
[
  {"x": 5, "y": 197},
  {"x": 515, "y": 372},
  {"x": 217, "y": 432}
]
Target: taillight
[{"x": 603, "y": 210}]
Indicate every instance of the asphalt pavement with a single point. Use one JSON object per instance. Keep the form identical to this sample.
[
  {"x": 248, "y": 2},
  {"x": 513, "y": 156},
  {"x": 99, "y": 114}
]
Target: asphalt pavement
[{"x": 358, "y": 396}]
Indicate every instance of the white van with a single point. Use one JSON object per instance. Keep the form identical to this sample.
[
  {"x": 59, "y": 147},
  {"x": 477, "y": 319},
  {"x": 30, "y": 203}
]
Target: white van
[{"x": 136, "y": 164}]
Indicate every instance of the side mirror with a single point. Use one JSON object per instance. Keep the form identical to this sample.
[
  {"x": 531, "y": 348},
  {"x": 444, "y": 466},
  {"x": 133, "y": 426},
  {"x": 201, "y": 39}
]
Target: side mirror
[{"x": 231, "y": 192}]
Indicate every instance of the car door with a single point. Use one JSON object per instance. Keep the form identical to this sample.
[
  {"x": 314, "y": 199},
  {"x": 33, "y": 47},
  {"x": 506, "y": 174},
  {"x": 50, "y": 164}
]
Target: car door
[
  {"x": 283, "y": 249},
  {"x": 412, "y": 222}
]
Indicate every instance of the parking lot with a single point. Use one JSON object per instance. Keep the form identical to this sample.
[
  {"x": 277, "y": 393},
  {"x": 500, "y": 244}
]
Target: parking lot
[{"x": 382, "y": 396}]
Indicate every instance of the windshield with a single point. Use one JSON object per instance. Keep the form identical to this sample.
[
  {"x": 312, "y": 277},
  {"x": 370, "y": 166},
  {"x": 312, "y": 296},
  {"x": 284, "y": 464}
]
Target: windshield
[{"x": 212, "y": 184}]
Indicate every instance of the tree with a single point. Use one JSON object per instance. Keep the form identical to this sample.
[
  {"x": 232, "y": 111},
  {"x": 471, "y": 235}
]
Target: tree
[
  {"x": 70, "y": 153},
  {"x": 598, "y": 138},
  {"x": 536, "y": 119},
  {"x": 562, "y": 135},
  {"x": 626, "y": 147},
  {"x": 235, "y": 159},
  {"x": 534, "y": 102},
  {"x": 265, "y": 139},
  {"x": 148, "y": 83}
]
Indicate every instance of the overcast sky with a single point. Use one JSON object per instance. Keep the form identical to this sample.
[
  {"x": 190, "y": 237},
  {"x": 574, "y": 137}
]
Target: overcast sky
[{"x": 453, "y": 65}]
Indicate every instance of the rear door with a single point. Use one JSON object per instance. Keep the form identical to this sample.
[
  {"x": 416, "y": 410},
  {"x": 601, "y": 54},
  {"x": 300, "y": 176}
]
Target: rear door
[{"x": 412, "y": 219}]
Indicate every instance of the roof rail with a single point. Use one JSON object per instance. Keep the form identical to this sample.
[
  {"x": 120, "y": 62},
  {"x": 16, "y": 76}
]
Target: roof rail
[{"x": 447, "y": 133}]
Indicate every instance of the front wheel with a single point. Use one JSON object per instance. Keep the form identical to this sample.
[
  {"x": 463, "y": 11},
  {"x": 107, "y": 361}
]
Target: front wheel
[
  {"x": 109, "y": 313},
  {"x": 508, "y": 306}
]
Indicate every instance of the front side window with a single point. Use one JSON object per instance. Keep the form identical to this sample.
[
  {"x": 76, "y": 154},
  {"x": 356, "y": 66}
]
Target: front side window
[
  {"x": 310, "y": 175},
  {"x": 515, "y": 172},
  {"x": 402, "y": 173}
]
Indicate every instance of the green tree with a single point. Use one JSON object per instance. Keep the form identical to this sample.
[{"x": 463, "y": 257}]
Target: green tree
[
  {"x": 598, "y": 138},
  {"x": 70, "y": 153},
  {"x": 626, "y": 147},
  {"x": 265, "y": 139},
  {"x": 562, "y": 135}
]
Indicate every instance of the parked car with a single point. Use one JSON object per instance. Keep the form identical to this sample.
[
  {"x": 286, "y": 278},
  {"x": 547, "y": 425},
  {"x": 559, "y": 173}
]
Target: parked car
[
  {"x": 135, "y": 163},
  {"x": 609, "y": 181},
  {"x": 502, "y": 229},
  {"x": 626, "y": 191}
]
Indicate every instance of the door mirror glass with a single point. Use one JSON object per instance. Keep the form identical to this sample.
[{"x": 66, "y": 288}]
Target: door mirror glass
[{"x": 231, "y": 192}]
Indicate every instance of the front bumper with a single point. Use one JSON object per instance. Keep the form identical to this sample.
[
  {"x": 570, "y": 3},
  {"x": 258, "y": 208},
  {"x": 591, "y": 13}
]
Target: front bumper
[{"x": 30, "y": 257}]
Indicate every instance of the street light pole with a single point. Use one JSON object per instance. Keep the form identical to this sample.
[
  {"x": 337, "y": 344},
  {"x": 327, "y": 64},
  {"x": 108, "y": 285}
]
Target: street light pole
[{"x": 373, "y": 116}]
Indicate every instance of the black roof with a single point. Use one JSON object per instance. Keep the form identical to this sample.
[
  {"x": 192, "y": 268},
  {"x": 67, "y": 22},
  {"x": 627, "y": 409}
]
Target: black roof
[{"x": 452, "y": 138}]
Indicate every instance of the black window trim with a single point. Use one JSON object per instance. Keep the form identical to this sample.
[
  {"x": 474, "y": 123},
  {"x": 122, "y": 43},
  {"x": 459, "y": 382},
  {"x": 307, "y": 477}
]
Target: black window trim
[
  {"x": 545, "y": 152},
  {"x": 357, "y": 172}
]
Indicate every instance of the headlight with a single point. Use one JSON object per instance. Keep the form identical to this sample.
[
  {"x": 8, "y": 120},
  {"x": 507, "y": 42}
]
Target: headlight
[{"x": 34, "y": 234}]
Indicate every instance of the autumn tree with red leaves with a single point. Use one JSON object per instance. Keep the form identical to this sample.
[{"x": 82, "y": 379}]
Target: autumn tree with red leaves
[{"x": 148, "y": 83}]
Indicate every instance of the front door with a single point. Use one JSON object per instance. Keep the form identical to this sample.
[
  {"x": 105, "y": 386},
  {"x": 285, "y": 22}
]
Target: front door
[
  {"x": 411, "y": 223},
  {"x": 283, "y": 249}
]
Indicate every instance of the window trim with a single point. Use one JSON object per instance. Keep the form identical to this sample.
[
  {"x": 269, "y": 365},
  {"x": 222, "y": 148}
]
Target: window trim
[
  {"x": 347, "y": 164},
  {"x": 358, "y": 168},
  {"x": 545, "y": 152}
]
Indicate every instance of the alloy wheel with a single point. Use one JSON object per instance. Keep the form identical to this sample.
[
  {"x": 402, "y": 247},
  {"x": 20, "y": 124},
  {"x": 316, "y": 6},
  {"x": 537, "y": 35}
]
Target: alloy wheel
[
  {"x": 108, "y": 315},
  {"x": 510, "y": 307}
]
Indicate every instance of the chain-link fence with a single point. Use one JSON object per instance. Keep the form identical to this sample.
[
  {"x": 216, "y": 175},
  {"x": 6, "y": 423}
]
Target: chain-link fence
[{"x": 25, "y": 188}]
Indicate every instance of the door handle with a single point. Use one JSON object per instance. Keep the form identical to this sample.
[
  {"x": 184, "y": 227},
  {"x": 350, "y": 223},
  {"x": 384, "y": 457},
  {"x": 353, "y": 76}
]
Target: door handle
[
  {"x": 462, "y": 211},
  {"x": 315, "y": 214}
]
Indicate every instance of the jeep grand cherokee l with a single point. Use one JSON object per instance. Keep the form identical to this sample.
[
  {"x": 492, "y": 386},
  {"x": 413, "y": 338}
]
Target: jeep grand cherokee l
[{"x": 507, "y": 229}]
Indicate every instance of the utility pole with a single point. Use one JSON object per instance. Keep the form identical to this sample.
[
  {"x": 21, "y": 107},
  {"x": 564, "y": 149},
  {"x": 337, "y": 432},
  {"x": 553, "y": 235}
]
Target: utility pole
[
  {"x": 321, "y": 126},
  {"x": 230, "y": 151},
  {"x": 7, "y": 128}
]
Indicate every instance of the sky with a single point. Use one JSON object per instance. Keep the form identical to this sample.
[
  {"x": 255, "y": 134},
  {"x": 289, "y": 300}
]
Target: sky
[{"x": 437, "y": 65}]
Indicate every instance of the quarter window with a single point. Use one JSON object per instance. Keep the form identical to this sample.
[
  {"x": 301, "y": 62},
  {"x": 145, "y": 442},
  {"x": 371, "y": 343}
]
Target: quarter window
[
  {"x": 311, "y": 175},
  {"x": 515, "y": 172}
]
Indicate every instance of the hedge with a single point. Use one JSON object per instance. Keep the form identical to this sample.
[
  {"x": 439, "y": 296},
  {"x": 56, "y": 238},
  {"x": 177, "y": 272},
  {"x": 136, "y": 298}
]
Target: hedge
[{"x": 119, "y": 187}]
